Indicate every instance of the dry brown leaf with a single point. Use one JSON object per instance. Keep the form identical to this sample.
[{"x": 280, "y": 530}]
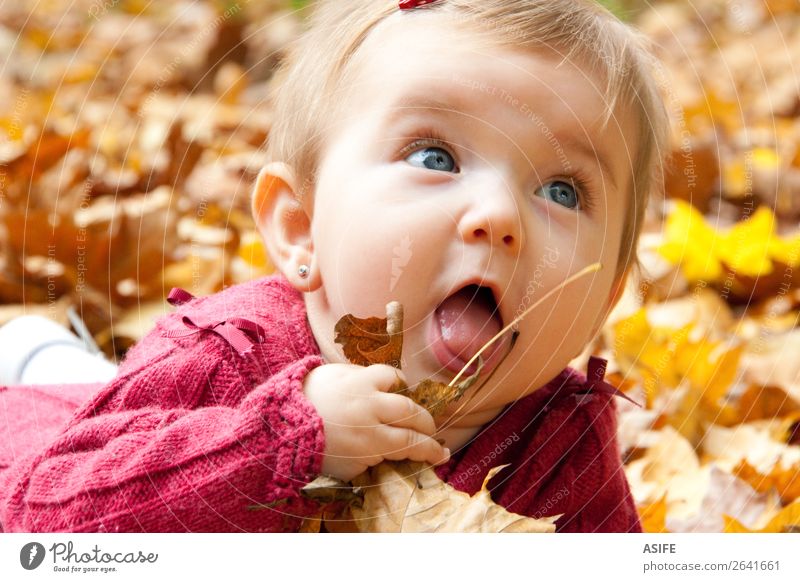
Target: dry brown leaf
[
  {"x": 45, "y": 153},
  {"x": 376, "y": 340},
  {"x": 311, "y": 525},
  {"x": 373, "y": 340},
  {"x": 431, "y": 395},
  {"x": 409, "y": 497},
  {"x": 326, "y": 489},
  {"x": 789, "y": 429},
  {"x": 765, "y": 402},
  {"x": 692, "y": 172},
  {"x": 675, "y": 493}
]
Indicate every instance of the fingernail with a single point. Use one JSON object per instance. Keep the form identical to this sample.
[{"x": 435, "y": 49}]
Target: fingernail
[{"x": 447, "y": 452}]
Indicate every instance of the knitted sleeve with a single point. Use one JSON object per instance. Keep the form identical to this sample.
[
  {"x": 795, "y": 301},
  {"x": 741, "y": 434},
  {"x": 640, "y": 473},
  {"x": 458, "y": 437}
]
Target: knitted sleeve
[
  {"x": 176, "y": 469},
  {"x": 579, "y": 469}
]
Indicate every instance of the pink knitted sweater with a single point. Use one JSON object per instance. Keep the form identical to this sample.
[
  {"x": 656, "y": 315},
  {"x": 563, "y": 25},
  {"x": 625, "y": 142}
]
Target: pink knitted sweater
[{"x": 192, "y": 433}]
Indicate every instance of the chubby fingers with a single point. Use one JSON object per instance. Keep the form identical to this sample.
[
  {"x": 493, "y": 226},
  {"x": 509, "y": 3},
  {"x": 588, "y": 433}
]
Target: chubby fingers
[
  {"x": 400, "y": 411},
  {"x": 405, "y": 427},
  {"x": 402, "y": 443},
  {"x": 384, "y": 377},
  {"x": 396, "y": 409}
]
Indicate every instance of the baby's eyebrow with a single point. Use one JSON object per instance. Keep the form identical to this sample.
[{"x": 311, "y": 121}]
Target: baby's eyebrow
[{"x": 410, "y": 104}]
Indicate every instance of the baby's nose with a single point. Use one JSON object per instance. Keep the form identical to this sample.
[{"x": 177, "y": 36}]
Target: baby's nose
[{"x": 494, "y": 218}]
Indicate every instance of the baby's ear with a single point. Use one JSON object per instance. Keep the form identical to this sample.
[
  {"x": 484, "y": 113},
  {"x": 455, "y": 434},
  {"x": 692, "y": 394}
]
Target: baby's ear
[{"x": 284, "y": 224}]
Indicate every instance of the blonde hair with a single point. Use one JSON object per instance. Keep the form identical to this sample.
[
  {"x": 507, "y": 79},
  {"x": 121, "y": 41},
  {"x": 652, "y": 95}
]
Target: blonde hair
[{"x": 311, "y": 75}]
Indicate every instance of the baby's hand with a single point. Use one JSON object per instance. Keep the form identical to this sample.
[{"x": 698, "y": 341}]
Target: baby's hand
[{"x": 364, "y": 424}]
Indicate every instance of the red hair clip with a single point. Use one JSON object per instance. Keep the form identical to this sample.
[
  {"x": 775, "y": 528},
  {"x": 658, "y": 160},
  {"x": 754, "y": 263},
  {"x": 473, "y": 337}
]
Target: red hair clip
[{"x": 411, "y": 4}]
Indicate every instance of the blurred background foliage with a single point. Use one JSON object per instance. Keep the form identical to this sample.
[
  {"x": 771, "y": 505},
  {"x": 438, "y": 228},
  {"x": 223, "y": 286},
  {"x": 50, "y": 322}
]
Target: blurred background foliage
[{"x": 131, "y": 131}]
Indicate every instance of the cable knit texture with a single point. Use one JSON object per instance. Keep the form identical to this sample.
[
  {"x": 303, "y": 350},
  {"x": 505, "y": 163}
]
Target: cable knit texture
[{"x": 191, "y": 435}]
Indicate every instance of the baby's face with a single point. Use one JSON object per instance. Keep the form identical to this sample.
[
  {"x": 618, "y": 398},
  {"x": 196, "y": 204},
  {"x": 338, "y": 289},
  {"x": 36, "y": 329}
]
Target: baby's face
[{"x": 455, "y": 164}]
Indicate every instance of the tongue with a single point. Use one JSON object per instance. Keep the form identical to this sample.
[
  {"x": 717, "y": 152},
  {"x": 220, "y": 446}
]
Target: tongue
[{"x": 467, "y": 322}]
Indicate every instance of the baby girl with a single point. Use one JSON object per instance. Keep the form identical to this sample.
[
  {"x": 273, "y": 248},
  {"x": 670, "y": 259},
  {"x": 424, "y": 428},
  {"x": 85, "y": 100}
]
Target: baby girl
[{"x": 461, "y": 157}]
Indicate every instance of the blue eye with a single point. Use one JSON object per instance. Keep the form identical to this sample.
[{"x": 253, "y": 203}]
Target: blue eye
[
  {"x": 432, "y": 158},
  {"x": 559, "y": 192}
]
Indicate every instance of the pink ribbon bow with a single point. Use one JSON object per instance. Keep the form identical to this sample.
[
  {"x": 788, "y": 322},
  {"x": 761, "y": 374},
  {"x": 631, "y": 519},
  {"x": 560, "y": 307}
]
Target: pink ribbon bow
[
  {"x": 242, "y": 334},
  {"x": 411, "y": 4}
]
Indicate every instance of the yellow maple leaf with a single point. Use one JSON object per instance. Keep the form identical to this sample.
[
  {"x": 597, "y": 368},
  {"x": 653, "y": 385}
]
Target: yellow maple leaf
[
  {"x": 786, "y": 251},
  {"x": 649, "y": 350},
  {"x": 749, "y": 248},
  {"x": 690, "y": 243},
  {"x": 709, "y": 366},
  {"x": 745, "y": 248}
]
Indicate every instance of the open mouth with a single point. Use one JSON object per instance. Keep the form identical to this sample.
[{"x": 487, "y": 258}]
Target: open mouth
[
  {"x": 463, "y": 323},
  {"x": 478, "y": 301}
]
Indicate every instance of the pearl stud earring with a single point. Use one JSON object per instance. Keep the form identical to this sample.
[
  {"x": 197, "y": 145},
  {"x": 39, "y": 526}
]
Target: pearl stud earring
[{"x": 303, "y": 271}]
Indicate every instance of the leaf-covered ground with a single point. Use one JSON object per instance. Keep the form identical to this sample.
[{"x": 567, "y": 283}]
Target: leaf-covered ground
[{"x": 130, "y": 132}]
